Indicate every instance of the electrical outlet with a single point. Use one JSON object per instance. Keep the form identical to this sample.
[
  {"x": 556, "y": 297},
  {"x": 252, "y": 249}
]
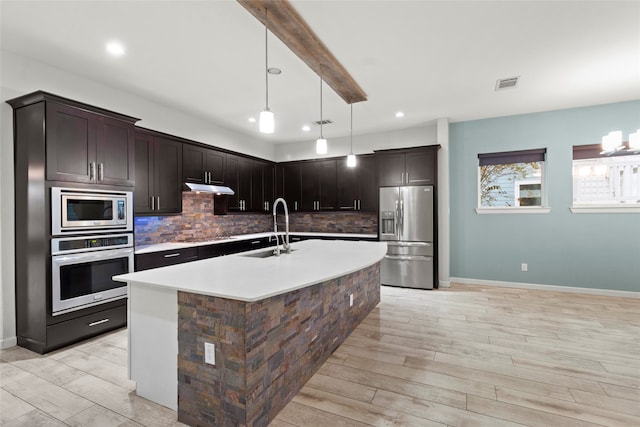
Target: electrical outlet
[
  {"x": 209, "y": 353},
  {"x": 524, "y": 266},
  {"x": 351, "y": 300}
]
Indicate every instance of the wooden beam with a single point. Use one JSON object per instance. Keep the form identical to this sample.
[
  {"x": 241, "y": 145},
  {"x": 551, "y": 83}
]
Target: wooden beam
[{"x": 287, "y": 24}]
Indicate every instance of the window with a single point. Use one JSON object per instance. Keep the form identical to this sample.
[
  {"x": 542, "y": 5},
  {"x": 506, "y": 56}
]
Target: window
[
  {"x": 605, "y": 180},
  {"x": 511, "y": 179}
]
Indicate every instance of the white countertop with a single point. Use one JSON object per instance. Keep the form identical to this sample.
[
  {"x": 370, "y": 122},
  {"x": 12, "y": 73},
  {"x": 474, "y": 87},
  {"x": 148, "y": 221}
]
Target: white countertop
[
  {"x": 143, "y": 249},
  {"x": 244, "y": 278}
]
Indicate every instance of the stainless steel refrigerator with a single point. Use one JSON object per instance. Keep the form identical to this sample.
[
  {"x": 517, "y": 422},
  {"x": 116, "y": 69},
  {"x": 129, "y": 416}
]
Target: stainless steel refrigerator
[{"x": 406, "y": 224}]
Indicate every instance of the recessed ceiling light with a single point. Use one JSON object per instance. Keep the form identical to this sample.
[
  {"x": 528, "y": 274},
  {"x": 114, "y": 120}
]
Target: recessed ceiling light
[
  {"x": 306, "y": 128},
  {"x": 252, "y": 119},
  {"x": 399, "y": 114},
  {"x": 115, "y": 48}
]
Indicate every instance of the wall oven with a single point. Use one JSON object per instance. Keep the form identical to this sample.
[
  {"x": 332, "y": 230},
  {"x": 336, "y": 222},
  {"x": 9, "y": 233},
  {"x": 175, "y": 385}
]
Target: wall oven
[
  {"x": 82, "y": 268},
  {"x": 80, "y": 211}
]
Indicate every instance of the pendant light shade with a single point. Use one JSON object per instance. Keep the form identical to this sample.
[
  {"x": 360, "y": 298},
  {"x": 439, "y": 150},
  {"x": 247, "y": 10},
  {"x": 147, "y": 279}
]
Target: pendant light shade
[
  {"x": 267, "y": 120},
  {"x": 321, "y": 146},
  {"x": 267, "y": 124},
  {"x": 351, "y": 158},
  {"x": 321, "y": 143}
]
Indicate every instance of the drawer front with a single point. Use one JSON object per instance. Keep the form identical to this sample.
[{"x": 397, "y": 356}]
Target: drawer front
[
  {"x": 165, "y": 258},
  {"x": 84, "y": 327}
]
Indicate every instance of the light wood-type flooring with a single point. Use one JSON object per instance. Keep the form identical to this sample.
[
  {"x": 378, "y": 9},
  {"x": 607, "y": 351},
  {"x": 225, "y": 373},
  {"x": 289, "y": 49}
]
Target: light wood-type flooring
[{"x": 463, "y": 356}]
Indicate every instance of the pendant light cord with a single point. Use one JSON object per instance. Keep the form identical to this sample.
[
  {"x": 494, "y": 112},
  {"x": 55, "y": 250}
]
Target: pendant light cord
[
  {"x": 351, "y": 132},
  {"x": 321, "y": 137},
  {"x": 266, "y": 58}
]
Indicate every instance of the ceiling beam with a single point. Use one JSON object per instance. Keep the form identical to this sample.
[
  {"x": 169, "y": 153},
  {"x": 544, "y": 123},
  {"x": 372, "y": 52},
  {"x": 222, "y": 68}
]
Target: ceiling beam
[{"x": 287, "y": 24}]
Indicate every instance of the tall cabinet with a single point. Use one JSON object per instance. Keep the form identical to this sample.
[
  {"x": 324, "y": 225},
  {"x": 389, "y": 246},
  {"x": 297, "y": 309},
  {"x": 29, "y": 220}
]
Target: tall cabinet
[{"x": 63, "y": 143}]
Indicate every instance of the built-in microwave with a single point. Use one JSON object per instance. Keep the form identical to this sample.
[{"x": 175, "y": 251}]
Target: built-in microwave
[{"x": 80, "y": 211}]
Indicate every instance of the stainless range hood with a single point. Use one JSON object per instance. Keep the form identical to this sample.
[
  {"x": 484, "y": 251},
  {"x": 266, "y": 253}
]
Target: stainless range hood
[{"x": 209, "y": 188}]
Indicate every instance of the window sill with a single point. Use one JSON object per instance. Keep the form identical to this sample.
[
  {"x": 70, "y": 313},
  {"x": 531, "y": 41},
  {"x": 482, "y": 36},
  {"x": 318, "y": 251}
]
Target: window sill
[
  {"x": 515, "y": 210},
  {"x": 605, "y": 209}
]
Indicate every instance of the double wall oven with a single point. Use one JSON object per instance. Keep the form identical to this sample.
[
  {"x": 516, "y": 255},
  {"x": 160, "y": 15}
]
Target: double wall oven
[{"x": 92, "y": 241}]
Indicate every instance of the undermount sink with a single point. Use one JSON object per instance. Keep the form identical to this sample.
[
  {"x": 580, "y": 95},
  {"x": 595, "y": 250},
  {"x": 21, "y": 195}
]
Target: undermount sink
[{"x": 267, "y": 254}]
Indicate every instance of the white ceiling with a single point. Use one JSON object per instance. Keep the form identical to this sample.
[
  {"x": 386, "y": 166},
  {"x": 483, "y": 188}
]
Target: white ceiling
[{"x": 429, "y": 59}]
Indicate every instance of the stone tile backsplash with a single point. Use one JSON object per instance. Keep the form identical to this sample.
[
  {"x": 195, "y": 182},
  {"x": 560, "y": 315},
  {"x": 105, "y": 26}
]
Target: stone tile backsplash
[{"x": 198, "y": 223}]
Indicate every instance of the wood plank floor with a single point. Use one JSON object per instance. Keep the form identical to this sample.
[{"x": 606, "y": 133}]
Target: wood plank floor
[
  {"x": 463, "y": 356},
  {"x": 481, "y": 356}
]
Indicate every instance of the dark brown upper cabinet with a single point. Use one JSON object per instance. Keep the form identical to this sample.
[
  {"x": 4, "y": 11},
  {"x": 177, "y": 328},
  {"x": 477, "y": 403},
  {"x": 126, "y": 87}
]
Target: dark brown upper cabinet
[
  {"x": 415, "y": 166},
  {"x": 262, "y": 186},
  {"x": 158, "y": 182},
  {"x": 86, "y": 147},
  {"x": 290, "y": 189},
  {"x": 237, "y": 176},
  {"x": 356, "y": 187},
  {"x": 318, "y": 185},
  {"x": 202, "y": 165}
]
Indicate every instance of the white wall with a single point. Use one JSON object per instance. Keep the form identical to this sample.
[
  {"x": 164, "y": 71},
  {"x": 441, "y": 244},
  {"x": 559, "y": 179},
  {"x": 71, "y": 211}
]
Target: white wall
[
  {"x": 19, "y": 76},
  {"x": 362, "y": 144}
]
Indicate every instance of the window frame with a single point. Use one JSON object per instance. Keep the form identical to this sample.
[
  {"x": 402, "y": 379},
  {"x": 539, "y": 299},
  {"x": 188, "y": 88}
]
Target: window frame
[
  {"x": 594, "y": 151},
  {"x": 508, "y": 157}
]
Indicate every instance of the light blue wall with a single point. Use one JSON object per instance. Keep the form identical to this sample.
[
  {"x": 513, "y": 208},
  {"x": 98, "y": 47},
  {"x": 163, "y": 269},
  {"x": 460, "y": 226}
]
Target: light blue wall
[{"x": 561, "y": 248}]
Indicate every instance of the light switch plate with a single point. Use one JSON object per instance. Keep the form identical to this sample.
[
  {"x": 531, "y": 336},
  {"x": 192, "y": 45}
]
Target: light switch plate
[{"x": 209, "y": 353}]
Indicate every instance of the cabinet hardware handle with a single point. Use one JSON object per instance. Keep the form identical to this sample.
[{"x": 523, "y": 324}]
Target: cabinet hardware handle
[
  {"x": 172, "y": 255},
  {"x": 153, "y": 203},
  {"x": 355, "y": 205},
  {"x": 99, "y": 322},
  {"x": 295, "y": 205},
  {"x": 255, "y": 242},
  {"x": 205, "y": 177},
  {"x": 92, "y": 171},
  {"x": 158, "y": 203},
  {"x": 209, "y": 177},
  {"x": 359, "y": 204},
  {"x": 100, "y": 171}
]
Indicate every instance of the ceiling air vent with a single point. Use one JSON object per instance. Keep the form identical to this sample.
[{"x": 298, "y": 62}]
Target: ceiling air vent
[
  {"x": 323, "y": 122},
  {"x": 507, "y": 83}
]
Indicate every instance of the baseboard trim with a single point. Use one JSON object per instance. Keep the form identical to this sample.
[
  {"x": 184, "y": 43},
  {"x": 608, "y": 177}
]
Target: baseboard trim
[
  {"x": 444, "y": 284},
  {"x": 555, "y": 288},
  {"x": 8, "y": 342}
]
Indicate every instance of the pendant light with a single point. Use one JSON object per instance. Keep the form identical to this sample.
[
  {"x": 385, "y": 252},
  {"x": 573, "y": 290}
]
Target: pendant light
[
  {"x": 267, "y": 123},
  {"x": 321, "y": 143},
  {"x": 351, "y": 158}
]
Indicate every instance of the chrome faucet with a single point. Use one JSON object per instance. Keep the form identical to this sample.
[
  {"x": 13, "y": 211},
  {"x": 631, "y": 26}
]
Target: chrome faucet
[{"x": 285, "y": 240}]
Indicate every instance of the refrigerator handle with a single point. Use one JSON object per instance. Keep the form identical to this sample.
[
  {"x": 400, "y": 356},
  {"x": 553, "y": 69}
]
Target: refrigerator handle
[
  {"x": 396, "y": 220},
  {"x": 401, "y": 218}
]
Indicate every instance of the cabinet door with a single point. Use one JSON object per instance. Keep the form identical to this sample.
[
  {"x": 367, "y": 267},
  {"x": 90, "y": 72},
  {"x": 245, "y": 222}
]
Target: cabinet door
[
  {"x": 292, "y": 185},
  {"x": 115, "y": 156},
  {"x": 257, "y": 196},
  {"x": 268, "y": 185},
  {"x": 348, "y": 185},
  {"x": 368, "y": 198},
  {"x": 231, "y": 180},
  {"x": 421, "y": 167},
  {"x": 214, "y": 166},
  {"x": 193, "y": 163},
  {"x": 327, "y": 185},
  {"x": 71, "y": 144},
  {"x": 143, "y": 190},
  {"x": 391, "y": 169},
  {"x": 245, "y": 169},
  {"x": 168, "y": 175},
  {"x": 309, "y": 186}
]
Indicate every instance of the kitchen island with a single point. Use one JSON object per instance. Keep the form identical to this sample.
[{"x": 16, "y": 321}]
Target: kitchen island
[{"x": 272, "y": 321}]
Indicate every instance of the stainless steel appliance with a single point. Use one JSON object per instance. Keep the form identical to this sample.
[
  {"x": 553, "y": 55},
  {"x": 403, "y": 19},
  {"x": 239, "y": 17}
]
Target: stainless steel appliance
[
  {"x": 82, "y": 267},
  {"x": 406, "y": 224},
  {"x": 80, "y": 211}
]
